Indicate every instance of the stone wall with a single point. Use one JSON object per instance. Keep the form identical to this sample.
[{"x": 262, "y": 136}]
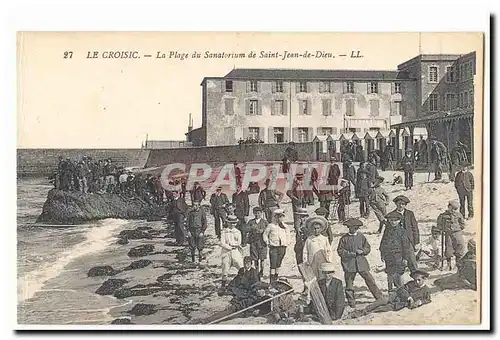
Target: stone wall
[{"x": 217, "y": 155}]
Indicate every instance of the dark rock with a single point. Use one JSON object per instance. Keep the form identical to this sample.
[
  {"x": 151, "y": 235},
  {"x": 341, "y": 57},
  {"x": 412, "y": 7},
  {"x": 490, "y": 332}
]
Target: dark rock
[
  {"x": 110, "y": 286},
  {"x": 144, "y": 228},
  {"x": 135, "y": 234},
  {"x": 142, "y": 250},
  {"x": 65, "y": 207},
  {"x": 165, "y": 277},
  {"x": 122, "y": 241},
  {"x": 102, "y": 271},
  {"x": 138, "y": 264},
  {"x": 122, "y": 321},
  {"x": 143, "y": 309}
]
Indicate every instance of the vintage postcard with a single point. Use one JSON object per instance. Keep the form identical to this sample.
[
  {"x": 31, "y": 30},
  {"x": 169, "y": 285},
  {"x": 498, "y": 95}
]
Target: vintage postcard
[{"x": 238, "y": 179}]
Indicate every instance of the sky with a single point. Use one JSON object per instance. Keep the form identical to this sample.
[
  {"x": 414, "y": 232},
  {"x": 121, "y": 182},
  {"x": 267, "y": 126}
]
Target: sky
[{"x": 82, "y": 102}]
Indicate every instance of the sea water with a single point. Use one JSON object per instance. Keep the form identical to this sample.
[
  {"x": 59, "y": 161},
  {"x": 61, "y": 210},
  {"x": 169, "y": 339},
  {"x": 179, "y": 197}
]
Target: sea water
[{"x": 51, "y": 264}]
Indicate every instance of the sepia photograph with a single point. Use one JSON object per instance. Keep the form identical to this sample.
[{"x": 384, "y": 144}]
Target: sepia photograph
[{"x": 306, "y": 179}]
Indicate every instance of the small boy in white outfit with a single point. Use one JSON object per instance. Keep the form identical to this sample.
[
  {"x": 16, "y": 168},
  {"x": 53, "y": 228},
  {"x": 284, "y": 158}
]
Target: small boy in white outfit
[{"x": 432, "y": 247}]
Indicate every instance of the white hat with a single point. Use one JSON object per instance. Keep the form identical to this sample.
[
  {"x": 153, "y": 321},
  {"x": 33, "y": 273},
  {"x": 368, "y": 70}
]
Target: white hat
[{"x": 327, "y": 267}]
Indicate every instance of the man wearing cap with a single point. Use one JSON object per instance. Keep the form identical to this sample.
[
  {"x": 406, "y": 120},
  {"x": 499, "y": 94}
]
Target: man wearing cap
[
  {"x": 464, "y": 184},
  {"x": 245, "y": 280},
  {"x": 242, "y": 209},
  {"x": 362, "y": 187},
  {"x": 408, "y": 165},
  {"x": 198, "y": 194},
  {"x": 333, "y": 172},
  {"x": 349, "y": 172},
  {"x": 325, "y": 195},
  {"x": 297, "y": 195},
  {"x": 452, "y": 223},
  {"x": 372, "y": 171},
  {"x": 196, "y": 226},
  {"x": 396, "y": 251},
  {"x": 352, "y": 249},
  {"x": 343, "y": 199},
  {"x": 301, "y": 233},
  {"x": 438, "y": 154},
  {"x": 409, "y": 222},
  {"x": 269, "y": 200},
  {"x": 258, "y": 248},
  {"x": 178, "y": 210},
  {"x": 230, "y": 243},
  {"x": 332, "y": 290},
  {"x": 277, "y": 238},
  {"x": 218, "y": 203},
  {"x": 317, "y": 249},
  {"x": 378, "y": 200}
]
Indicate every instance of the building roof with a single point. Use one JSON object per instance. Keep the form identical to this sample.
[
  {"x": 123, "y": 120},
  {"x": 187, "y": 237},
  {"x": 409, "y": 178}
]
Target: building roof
[
  {"x": 436, "y": 117},
  {"x": 432, "y": 58},
  {"x": 313, "y": 74}
]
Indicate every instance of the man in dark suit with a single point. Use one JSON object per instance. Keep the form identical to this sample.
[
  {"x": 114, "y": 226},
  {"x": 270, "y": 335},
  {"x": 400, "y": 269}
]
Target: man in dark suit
[
  {"x": 332, "y": 290},
  {"x": 177, "y": 210},
  {"x": 218, "y": 202},
  {"x": 464, "y": 183},
  {"x": 352, "y": 249},
  {"x": 241, "y": 210},
  {"x": 198, "y": 194},
  {"x": 409, "y": 221}
]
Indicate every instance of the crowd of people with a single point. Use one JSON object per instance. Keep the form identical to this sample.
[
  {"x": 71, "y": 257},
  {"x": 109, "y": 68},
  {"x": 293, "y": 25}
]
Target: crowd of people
[{"x": 265, "y": 237}]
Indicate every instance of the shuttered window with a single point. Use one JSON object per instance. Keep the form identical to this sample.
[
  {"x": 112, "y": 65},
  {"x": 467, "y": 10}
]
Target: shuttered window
[
  {"x": 349, "y": 104},
  {"x": 229, "y": 106},
  {"x": 327, "y": 107},
  {"x": 374, "y": 108}
]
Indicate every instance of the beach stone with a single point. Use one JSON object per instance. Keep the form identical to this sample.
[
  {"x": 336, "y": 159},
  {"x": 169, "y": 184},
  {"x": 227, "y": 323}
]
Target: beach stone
[
  {"x": 135, "y": 234},
  {"x": 122, "y": 321},
  {"x": 141, "y": 250},
  {"x": 110, "y": 286},
  {"x": 138, "y": 264},
  {"x": 102, "y": 271},
  {"x": 143, "y": 309}
]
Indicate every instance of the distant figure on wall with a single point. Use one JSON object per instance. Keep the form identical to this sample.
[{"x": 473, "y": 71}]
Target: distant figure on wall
[{"x": 290, "y": 156}]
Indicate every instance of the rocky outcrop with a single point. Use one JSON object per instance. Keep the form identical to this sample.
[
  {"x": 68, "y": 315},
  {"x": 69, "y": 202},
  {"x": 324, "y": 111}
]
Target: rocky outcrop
[
  {"x": 138, "y": 264},
  {"x": 102, "y": 271},
  {"x": 63, "y": 207},
  {"x": 122, "y": 321},
  {"x": 142, "y": 250},
  {"x": 110, "y": 286},
  {"x": 143, "y": 309}
]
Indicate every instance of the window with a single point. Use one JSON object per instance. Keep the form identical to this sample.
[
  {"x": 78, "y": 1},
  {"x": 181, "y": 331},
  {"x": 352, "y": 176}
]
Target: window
[
  {"x": 253, "y": 86},
  {"x": 462, "y": 72},
  {"x": 450, "y": 74},
  {"x": 279, "y": 134},
  {"x": 254, "y": 107},
  {"x": 374, "y": 129},
  {"x": 303, "y": 86},
  {"x": 326, "y": 131},
  {"x": 303, "y": 107},
  {"x": 327, "y": 107},
  {"x": 433, "y": 102},
  {"x": 460, "y": 100},
  {"x": 229, "y": 106},
  {"x": 302, "y": 134},
  {"x": 349, "y": 87},
  {"x": 466, "y": 99},
  {"x": 349, "y": 105},
  {"x": 471, "y": 69},
  {"x": 433, "y": 74},
  {"x": 397, "y": 87},
  {"x": 279, "y": 108},
  {"x": 373, "y": 87},
  {"x": 324, "y": 86},
  {"x": 229, "y": 86},
  {"x": 374, "y": 107},
  {"x": 278, "y": 86},
  {"x": 471, "y": 98},
  {"x": 450, "y": 101},
  {"x": 253, "y": 132},
  {"x": 396, "y": 109}
]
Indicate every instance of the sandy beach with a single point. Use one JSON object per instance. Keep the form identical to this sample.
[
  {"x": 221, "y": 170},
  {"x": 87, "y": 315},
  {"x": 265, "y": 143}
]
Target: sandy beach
[{"x": 172, "y": 290}]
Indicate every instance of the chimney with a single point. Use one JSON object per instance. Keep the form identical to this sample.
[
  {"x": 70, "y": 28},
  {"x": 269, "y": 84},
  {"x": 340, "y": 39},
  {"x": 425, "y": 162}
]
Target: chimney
[{"x": 190, "y": 128}]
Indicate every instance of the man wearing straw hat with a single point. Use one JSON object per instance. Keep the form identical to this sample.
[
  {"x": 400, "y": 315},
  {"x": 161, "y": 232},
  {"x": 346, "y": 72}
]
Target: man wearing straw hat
[
  {"x": 277, "y": 238},
  {"x": 332, "y": 290},
  {"x": 230, "y": 243},
  {"x": 317, "y": 249}
]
